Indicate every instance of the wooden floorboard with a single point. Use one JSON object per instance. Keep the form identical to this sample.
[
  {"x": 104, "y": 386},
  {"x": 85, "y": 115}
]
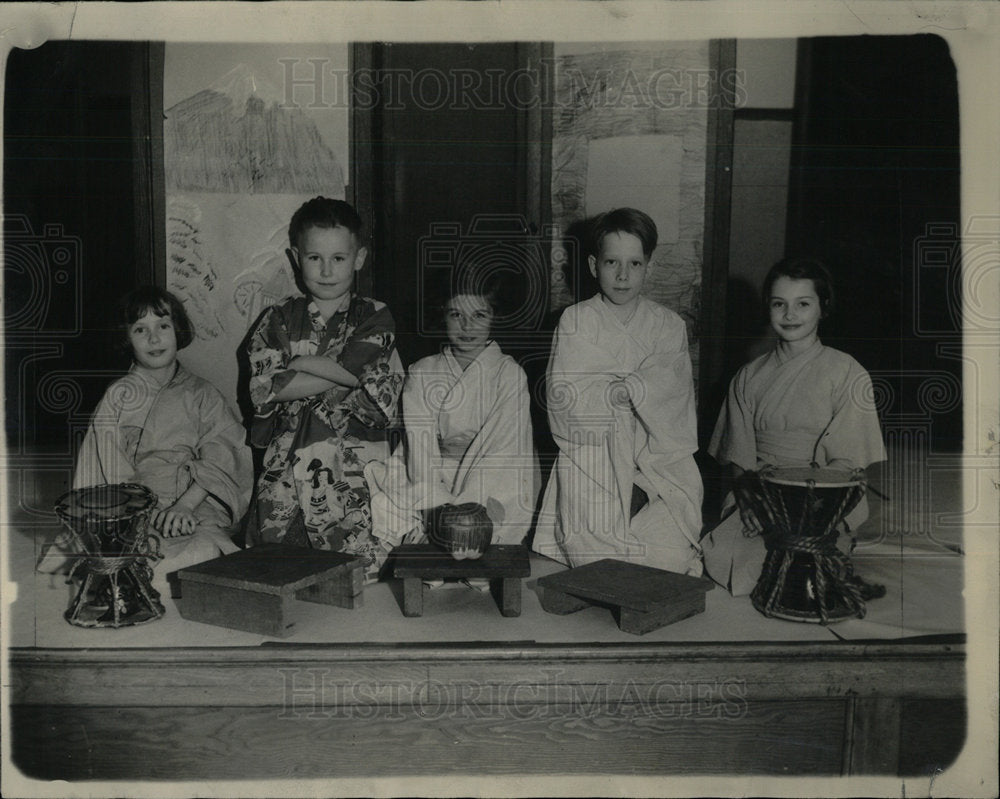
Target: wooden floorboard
[{"x": 84, "y": 743}]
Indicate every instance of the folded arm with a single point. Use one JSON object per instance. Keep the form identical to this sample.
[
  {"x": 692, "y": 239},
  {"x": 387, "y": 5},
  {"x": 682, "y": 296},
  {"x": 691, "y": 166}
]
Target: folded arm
[{"x": 314, "y": 374}]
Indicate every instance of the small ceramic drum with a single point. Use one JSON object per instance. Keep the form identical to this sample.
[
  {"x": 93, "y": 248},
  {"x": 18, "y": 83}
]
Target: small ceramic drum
[
  {"x": 805, "y": 576},
  {"x": 465, "y": 530}
]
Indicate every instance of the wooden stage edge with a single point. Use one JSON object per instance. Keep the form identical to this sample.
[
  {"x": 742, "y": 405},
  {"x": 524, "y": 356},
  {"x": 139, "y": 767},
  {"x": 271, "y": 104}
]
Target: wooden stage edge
[{"x": 286, "y": 710}]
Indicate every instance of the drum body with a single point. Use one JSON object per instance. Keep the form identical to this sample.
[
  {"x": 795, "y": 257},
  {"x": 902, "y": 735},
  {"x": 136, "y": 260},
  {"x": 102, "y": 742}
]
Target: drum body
[
  {"x": 108, "y": 519},
  {"x": 805, "y": 576},
  {"x": 110, "y": 525}
]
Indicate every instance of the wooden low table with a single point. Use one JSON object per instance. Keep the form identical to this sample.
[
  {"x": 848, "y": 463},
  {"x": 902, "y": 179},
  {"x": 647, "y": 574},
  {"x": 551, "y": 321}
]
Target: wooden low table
[
  {"x": 642, "y": 598},
  {"x": 255, "y": 589},
  {"x": 502, "y": 565}
]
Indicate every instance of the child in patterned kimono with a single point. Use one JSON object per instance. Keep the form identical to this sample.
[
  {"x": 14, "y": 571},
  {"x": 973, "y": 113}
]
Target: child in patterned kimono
[
  {"x": 167, "y": 429},
  {"x": 324, "y": 382},
  {"x": 799, "y": 403},
  {"x": 468, "y": 428},
  {"x": 622, "y": 412}
]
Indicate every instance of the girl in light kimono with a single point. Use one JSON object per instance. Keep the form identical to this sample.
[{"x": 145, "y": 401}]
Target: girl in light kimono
[
  {"x": 468, "y": 428},
  {"x": 622, "y": 412},
  {"x": 324, "y": 382},
  {"x": 169, "y": 430},
  {"x": 800, "y": 403}
]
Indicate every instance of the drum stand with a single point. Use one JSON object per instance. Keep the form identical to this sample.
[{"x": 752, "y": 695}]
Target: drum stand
[
  {"x": 108, "y": 526},
  {"x": 125, "y": 580},
  {"x": 810, "y": 580},
  {"x": 805, "y": 576}
]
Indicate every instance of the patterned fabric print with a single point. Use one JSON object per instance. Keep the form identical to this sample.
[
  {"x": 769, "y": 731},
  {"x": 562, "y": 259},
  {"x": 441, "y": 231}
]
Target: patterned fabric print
[
  {"x": 356, "y": 526},
  {"x": 317, "y": 446},
  {"x": 381, "y": 390}
]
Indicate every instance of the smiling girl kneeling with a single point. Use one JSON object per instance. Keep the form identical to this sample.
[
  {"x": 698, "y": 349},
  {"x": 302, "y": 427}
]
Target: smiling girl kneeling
[
  {"x": 798, "y": 403},
  {"x": 169, "y": 430}
]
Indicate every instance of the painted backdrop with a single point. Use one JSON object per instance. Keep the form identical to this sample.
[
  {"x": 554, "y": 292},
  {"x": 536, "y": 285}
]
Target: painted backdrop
[
  {"x": 629, "y": 129},
  {"x": 250, "y": 132}
]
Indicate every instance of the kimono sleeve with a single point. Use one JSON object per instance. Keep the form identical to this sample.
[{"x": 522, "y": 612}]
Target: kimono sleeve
[
  {"x": 269, "y": 352},
  {"x": 222, "y": 463},
  {"x": 420, "y": 418},
  {"x": 102, "y": 457},
  {"x": 662, "y": 393},
  {"x": 499, "y": 465},
  {"x": 854, "y": 435},
  {"x": 734, "y": 439},
  {"x": 578, "y": 378},
  {"x": 512, "y": 413},
  {"x": 505, "y": 438},
  {"x": 369, "y": 355}
]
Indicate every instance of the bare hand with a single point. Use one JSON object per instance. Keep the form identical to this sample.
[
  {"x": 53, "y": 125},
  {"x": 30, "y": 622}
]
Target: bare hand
[
  {"x": 750, "y": 521},
  {"x": 747, "y": 516},
  {"x": 175, "y": 521}
]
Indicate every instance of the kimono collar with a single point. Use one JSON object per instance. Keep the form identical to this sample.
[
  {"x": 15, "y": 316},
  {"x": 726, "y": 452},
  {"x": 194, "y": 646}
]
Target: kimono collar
[
  {"x": 783, "y": 356},
  {"x": 180, "y": 374},
  {"x": 135, "y": 394},
  {"x": 598, "y": 301},
  {"x": 490, "y": 354},
  {"x": 316, "y": 316}
]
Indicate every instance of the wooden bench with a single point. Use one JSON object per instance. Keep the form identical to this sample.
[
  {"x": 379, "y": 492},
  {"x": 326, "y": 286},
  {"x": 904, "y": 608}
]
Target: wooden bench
[
  {"x": 502, "y": 565},
  {"x": 641, "y": 598},
  {"x": 256, "y": 589}
]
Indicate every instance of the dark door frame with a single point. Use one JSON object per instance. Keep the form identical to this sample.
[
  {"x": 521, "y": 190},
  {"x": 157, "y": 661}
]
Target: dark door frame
[
  {"x": 367, "y": 174},
  {"x": 147, "y": 157},
  {"x": 715, "y": 263}
]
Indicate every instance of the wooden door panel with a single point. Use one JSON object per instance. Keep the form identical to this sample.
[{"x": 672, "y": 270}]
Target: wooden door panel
[{"x": 451, "y": 152}]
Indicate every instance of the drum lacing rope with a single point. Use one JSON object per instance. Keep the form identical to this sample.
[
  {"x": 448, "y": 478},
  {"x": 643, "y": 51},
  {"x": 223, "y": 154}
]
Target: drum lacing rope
[
  {"x": 113, "y": 565},
  {"x": 105, "y": 565},
  {"x": 830, "y": 562}
]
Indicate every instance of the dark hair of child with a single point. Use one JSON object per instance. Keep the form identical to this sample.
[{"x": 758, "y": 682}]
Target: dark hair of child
[
  {"x": 325, "y": 213},
  {"x": 802, "y": 269},
  {"x": 624, "y": 220},
  {"x": 475, "y": 279},
  {"x": 145, "y": 299},
  {"x": 480, "y": 279}
]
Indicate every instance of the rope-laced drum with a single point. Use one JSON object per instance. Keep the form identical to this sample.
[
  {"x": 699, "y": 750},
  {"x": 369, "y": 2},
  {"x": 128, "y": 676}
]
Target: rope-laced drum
[
  {"x": 805, "y": 576},
  {"x": 109, "y": 525}
]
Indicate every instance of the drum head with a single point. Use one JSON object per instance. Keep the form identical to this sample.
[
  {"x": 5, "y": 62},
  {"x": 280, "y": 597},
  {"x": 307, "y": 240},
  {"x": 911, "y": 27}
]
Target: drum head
[
  {"x": 105, "y": 502},
  {"x": 805, "y": 475}
]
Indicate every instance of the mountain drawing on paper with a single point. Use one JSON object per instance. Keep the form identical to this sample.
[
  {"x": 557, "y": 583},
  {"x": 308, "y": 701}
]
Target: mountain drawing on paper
[{"x": 235, "y": 137}]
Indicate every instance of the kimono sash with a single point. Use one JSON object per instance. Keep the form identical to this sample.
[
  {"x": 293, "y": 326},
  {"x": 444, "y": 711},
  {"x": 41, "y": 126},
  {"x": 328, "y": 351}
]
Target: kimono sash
[{"x": 788, "y": 447}]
